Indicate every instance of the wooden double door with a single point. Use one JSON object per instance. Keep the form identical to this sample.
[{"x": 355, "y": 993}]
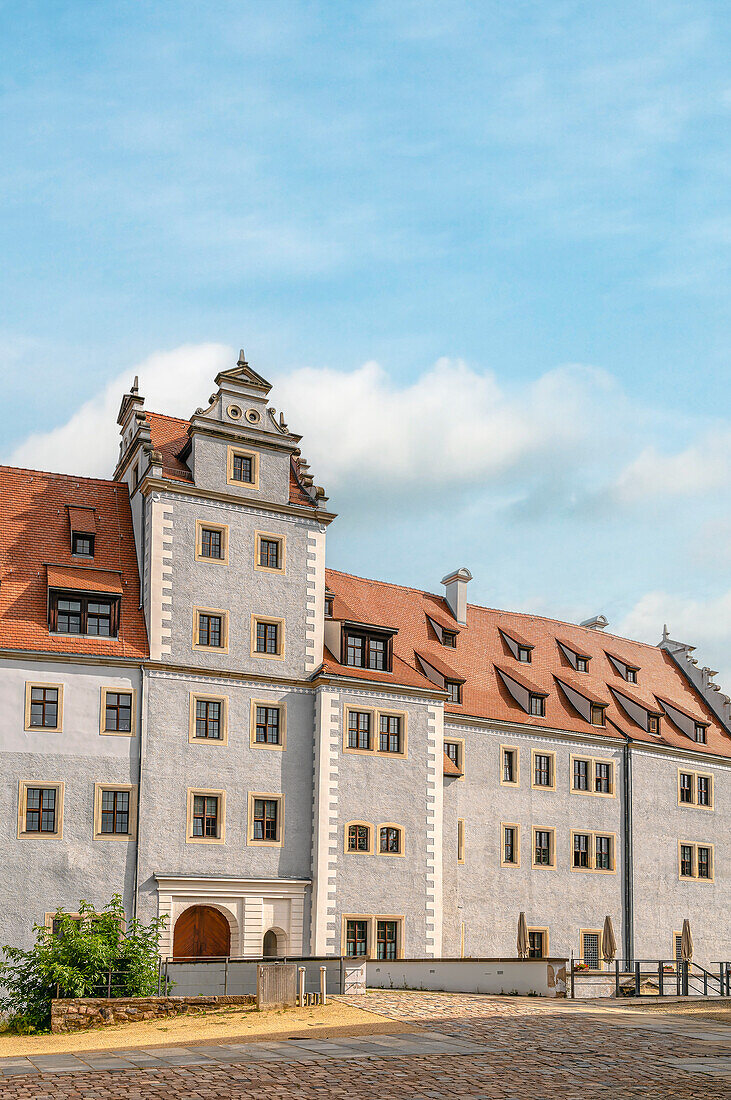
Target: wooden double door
[{"x": 201, "y": 932}]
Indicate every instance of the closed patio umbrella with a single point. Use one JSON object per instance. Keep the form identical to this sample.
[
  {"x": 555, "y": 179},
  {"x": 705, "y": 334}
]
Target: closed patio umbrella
[
  {"x": 609, "y": 943},
  {"x": 523, "y": 944},
  {"x": 686, "y": 942}
]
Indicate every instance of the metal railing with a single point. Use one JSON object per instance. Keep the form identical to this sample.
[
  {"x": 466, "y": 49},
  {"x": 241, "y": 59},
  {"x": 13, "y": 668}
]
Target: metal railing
[
  {"x": 659, "y": 977},
  {"x": 119, "y": 983}
]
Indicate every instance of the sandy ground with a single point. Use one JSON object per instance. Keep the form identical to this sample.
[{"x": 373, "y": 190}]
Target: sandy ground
[{"x": 223, "y": 1025}]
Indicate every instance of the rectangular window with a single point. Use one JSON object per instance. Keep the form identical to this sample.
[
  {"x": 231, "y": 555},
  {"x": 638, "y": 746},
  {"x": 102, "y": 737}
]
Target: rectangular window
[
  {"x": 543, "y": 847},
  {"x": 265, "y": 818},
  {"x": 631, "y": 675},
  {"x": 208, "y": 719},
  {"x": 390, "y": 733},
  {"x": 509, "y": 765},
  {"x": 604, "y": 853},
  {"x": 598, "y": 717},
  {"x": 210, "y": 630},
  {"x": 389, "y": 840},
  {"x": 700, "y": 733},
  {"x": 590, "y": 954},
  {"x": 43, "y": 708},
  {"x": 115, "y": 812},
  {"x": 454, "y": 691},
  {"x": 386, "y": 939},
  {"x": 40, "y": 809},
  {"x": 205, "y": 815},
  {"x": 582, "y": 664},
  {"x": 267, "y": 637},
  {"x": 82, "y": 546},
  {"x": 602, "y": 778},
  {"x": 510, "y": 846},
  {"x": 686, "y": 787},
  {"x": 653, "y": 723},
  {"x": 242, "y": 469},
  {"x": 581, "y": 775},
  {"x": 537, "y": 706},
  {"x": 118, "y": 712},
  {"x": 211, "y": 543},
  {"x": 452, "y": 750},
  {"x": 359, "y": 838},
  {"x": 524, "y": 654},
  {"x": 582, "y": 846},
  {"x": 449, "y": 639},
  {"x": 269, "y": 553},
  {"x": 542, "y": 769},
  {"x": 359, "y": 730},
  {"x": 371, "y": 651},
  {"x": 356, "y": 938},
  {"x": 328, "y": 607},
  {"x": 536, "y": 949},
  {"x": 267, "y": 725},
  {"x": 686, "y": 860},
  {"x": 703, "y": 790},
  {"x": 704, "y": 862},
  {"x": 94, "y": 616}
]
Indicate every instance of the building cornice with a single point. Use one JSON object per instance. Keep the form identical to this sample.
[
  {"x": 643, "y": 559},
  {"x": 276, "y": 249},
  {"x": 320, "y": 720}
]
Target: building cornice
[
  {"x": 332, "y": 679},
  {"x": 186, "y": 488},
  {"x": 69, "y": 658}
]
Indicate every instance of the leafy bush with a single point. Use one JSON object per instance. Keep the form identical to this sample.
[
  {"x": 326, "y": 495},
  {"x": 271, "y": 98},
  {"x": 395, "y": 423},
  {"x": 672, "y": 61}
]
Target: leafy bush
[{"x": 75, "y": 960}]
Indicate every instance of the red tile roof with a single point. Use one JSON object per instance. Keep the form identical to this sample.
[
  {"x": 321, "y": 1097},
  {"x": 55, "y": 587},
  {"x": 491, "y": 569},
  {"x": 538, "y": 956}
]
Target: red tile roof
[
  {"x": 450, "y": 768},
  {"x": 34, "y": 534},
  {"x": 480, "y": 648},
  {"x": 83, "y": 578}
]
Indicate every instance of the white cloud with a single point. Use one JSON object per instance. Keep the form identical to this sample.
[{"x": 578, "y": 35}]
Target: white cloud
[
  {"x": 701, "y": 468},
  {"x": 175, "y": 382},
  {"x": 703, "y": 623}
]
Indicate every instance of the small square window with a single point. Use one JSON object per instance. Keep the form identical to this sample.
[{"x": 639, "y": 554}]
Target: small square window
[
  {"x": 449, "y": 639},
  {"x": 389, "y": 840},
  {"x": 82, "y": 546},
  {"x": 582, "y": 664},
  {"x": 210, "y": 630},
  {"x": 359, "y": 838},
  {"x": 44, "y": 702},
  {"x": 524, "y": 654}
]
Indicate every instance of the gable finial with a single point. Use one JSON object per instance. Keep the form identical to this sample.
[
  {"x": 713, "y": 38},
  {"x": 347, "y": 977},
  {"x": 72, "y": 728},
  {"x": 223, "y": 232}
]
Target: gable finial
[
  {"x": 135, "y": 386},
  {"x": 242, "y": 359}
]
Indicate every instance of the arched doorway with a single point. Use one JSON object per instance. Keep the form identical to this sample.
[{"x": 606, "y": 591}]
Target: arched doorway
[
  {"x": 201, "y": 931},
  {"x": 275, "y": 944}
]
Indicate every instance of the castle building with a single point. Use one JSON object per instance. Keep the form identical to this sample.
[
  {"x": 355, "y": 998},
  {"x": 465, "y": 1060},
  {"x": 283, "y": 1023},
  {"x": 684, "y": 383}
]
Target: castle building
[{"x": 286, "y": 759}]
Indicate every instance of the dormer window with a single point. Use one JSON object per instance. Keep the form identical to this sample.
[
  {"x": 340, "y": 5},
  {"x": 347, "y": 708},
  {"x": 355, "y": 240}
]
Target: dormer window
[
  {"x": 449, "y": 639},
  {"x": 582, "y": 664},
  {"x": 329, "y": 607},
  {"x": 74, "y": 613},
  {"x": 524, "y": 654},
  {"x": 537, "y": 706},
  {"x": 453, "y": 689},
  {"x": 598, "y": 715},
  {"x": 366, "y": 649},
  {"x": 700, "y": 733},
  {"x": 631, "y": 675},
  {"x": 82, "y": 546},
  {"x": 653, "y": 723}
]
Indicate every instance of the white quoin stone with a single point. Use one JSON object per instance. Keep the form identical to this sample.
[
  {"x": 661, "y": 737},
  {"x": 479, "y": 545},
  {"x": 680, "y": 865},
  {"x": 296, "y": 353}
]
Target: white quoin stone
[{"x": 456, "y": 592}]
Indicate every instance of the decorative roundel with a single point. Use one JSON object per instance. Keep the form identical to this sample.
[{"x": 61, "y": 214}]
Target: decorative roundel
[
  {"x": 234, "y": 412},
  {"x": 253, "y": 416}
]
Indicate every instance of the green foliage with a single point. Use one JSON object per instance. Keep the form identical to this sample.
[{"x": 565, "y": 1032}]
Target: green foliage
[{"x": 75, "y": 960}]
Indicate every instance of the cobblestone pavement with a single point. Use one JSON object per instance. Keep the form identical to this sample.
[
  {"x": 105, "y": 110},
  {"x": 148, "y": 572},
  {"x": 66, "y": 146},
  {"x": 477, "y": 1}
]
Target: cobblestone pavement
[{"x": 466, "y": 1046}]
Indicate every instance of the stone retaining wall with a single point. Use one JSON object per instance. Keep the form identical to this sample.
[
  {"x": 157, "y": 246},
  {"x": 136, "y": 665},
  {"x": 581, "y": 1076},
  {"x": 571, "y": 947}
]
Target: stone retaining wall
[{"x": 80, "y": 1013}]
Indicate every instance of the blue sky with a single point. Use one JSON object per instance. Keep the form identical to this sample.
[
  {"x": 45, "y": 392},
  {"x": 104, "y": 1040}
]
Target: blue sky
[{"x": 500, "y": 230}]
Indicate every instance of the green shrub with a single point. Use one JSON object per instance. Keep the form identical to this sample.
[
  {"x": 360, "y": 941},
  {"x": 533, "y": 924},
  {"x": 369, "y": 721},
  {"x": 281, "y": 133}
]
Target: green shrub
[{"x": 75, "y": 960}]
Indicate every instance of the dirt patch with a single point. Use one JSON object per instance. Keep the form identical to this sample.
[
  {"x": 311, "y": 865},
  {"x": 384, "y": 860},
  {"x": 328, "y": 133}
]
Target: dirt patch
[{"x": 223, "y": 1025}]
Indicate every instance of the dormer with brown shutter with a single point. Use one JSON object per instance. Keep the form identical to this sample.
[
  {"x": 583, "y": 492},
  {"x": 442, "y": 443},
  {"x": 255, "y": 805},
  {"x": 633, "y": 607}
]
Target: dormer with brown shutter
[{"x": 82, "y": 531}]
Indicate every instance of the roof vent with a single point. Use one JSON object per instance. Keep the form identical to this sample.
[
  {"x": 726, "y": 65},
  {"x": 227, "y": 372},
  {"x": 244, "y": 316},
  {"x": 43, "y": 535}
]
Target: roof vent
[
  {"x": 456, "y": 592},
  {"x": 597, "y": 622}
]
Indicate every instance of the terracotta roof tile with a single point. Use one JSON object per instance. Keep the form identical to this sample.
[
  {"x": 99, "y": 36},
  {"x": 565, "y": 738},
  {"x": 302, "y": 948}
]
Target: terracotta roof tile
[
  {"x": 513, "y": 674},
  {"x": 169, "y": 434},
  {"x": 34, "y": 531},
  {"x": 83, "y": 578},
  {"x": 480, "y": 647},
  {"x": 450, "y": 768}
]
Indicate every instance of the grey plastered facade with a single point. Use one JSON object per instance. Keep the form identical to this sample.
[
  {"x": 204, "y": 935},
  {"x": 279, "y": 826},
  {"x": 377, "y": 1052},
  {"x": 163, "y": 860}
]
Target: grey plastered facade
[{"x": 446, "y": 901}]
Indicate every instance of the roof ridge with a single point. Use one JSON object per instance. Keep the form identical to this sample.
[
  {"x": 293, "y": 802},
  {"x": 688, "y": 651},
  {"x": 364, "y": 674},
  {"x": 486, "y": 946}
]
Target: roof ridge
[
  {"x": 497, "y": 610},
  {"x": 65, "y": 477},
  {"x": 166, "y": 416}
]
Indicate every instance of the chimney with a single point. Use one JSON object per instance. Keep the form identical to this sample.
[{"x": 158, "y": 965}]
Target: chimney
[
  {"x": 596, "y": 622},
  {"x": 456, "y": 592}
]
